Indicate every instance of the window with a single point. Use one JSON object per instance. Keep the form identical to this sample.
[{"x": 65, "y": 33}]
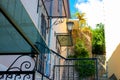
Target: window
[
  {"x": 41, "y": 61},
  {"x": 43, "y": 26},
  {"x": 60, "y": 7},
  {"x": 38, "y": 5}
]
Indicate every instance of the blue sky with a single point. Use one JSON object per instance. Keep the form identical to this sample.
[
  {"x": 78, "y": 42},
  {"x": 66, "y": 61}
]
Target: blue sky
[
  {"x": 105, "y": 11},
  {"x": 75, "y": 4},
  {"x": 72, "y": 6}
]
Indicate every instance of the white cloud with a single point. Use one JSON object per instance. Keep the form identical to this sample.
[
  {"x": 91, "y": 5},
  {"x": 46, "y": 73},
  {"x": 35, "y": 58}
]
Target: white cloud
[
  {"x": 112, "y": 16},
  {"x": 107, "y": 12},
  {"x": 93, "y": 10}
]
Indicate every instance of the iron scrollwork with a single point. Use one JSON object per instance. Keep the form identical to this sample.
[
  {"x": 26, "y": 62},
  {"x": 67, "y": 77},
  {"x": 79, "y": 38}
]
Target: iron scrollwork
[
  {"x": 58, "y": 21},
  {"x": 16, "y": 77},
  {"x": 20, "y": 71}
]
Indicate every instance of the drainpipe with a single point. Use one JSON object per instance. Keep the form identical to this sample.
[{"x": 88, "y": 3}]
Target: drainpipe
[{"x": 49, "y": 42}]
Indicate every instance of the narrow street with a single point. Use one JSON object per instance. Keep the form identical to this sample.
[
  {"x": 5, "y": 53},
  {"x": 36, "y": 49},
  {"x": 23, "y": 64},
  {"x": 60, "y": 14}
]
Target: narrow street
[{"x": 59, "y": 40}]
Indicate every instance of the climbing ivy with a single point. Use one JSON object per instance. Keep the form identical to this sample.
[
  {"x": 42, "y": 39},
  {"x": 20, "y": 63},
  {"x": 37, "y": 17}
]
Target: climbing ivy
[
  {"x": 98, "y": 40},
  {"x": 85, "y": 68}
]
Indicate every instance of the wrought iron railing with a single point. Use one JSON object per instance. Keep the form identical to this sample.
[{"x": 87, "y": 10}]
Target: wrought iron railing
[
  {"x": 62, "y": 69},
  {"x": 77, "y": 69},
  {"x": 22, "y": 68}
]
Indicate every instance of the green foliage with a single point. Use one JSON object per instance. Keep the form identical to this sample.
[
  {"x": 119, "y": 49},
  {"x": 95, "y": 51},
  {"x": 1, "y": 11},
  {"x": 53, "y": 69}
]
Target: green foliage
[
  {"x": 85, "y": 68},
  {"x": 80, "y": 50},
  {"x": 98, "y": 40},
  {"x": 71, "y": 56}
]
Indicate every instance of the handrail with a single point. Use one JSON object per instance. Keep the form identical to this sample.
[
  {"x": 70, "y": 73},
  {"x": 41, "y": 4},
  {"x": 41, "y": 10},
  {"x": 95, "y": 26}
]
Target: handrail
[
  {"x": 80, "y": 58},
  {"x": 58, "y": 54}
]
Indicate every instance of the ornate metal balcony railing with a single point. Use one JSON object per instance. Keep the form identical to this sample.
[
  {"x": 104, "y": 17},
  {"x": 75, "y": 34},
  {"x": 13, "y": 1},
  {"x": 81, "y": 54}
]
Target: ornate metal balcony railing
[{"x": 22, "y": 68}]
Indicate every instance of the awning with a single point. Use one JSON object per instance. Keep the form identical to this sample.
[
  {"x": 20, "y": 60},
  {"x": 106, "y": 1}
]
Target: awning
[
  {"x": 18, "y": 33},
  {"x": 64, "y": 39},
  {"x": 56, "y": 8}
]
